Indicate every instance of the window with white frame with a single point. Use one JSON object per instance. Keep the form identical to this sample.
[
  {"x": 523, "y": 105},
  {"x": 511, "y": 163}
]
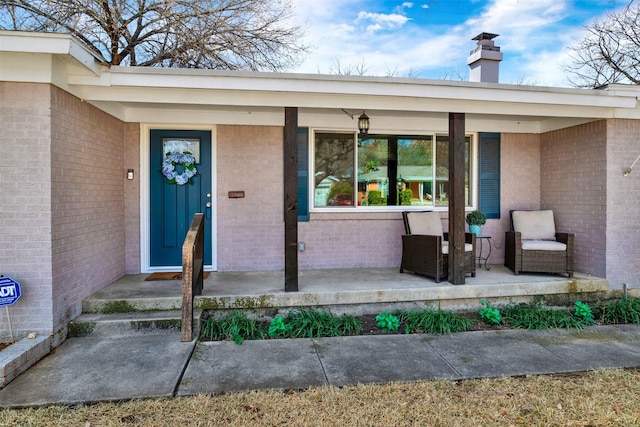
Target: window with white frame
[{"x": 384, "y": 170}]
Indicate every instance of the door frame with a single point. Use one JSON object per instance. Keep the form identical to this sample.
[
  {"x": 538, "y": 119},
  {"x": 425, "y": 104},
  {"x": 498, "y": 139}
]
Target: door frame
[{"x": 145, "y": 195}]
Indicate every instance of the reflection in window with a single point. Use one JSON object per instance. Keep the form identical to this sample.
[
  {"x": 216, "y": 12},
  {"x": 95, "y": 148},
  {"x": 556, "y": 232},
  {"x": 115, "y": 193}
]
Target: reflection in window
[
  {"x": 442, "y": 170},
  {"x": 392, "y": 170},
  {"x": 334, "y": 160}
]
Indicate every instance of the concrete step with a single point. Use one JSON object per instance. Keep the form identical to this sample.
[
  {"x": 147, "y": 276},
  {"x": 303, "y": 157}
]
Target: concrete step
[{"x": 133, "y": 323}]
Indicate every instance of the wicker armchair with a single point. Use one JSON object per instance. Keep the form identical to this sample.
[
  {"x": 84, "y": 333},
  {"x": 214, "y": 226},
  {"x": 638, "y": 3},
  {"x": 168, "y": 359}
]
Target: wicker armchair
[
  {"x": 533, "y": 245},
  {"x": 425, "y": 247}
]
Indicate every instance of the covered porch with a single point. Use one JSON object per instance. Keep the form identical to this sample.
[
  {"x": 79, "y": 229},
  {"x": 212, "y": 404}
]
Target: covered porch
[{"x": 357, "y": 291}]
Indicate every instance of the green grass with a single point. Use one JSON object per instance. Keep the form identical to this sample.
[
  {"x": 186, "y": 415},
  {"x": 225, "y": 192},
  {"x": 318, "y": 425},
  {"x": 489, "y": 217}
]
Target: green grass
[
  {"x": 310, "y": 323},
  {"x": 540, "y": 316},
  {"x": 434, "y": 322},
  {"x": 624, "y": 310},
  {"x": 236, "y": 327}
]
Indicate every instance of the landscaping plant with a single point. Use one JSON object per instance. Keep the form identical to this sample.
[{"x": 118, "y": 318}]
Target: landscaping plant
[
  {"x": 319, "y": 323},
  {"x": 314, "y": 323},
  {"x": 539, "y": 316},
  {"x": 236, "y": 327},
  {"x": 583, "y": 311},
  {"x": 434, "y": 322},
  {"x": 387, "y": 322},
  {"x": 624, "y": 310},
  {"x": 278, "y": 328},
  {"x": 489, "y": 314}
]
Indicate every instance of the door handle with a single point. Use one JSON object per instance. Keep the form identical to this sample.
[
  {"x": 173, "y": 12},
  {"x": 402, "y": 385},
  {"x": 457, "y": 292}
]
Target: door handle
[{"x": 208, "y": 205}]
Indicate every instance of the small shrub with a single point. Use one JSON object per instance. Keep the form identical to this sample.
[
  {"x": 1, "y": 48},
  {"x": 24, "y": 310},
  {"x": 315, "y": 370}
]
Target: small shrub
[
  {"x": 236, "y": 327},
  {"x": 476, "y": 218},
  {"x": 374, "y": 197},
  {"x": 278, "y": 328},
  {"x": 405, "y": 197},
  {"x": 434, "y": 322},
  {"x": 584, "y": 312},
  {"x": 387, "y": 322},
  {"x": 624, "y": 310},
  {"x": 489, "y": 314}
]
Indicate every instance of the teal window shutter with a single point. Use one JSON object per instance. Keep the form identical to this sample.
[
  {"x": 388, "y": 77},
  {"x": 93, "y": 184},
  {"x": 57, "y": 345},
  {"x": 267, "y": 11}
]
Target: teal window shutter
[
  {"x": 303, "y": 174},
  {"x": 489, "y": 174}
]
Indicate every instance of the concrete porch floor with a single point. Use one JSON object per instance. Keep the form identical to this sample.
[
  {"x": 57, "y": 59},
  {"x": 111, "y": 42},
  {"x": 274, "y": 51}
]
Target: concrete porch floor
[{"x": 348, "y": 290}]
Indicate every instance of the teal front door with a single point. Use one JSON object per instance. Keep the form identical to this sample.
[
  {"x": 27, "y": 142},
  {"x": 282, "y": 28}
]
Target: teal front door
[{"x": 173, "y": 202}]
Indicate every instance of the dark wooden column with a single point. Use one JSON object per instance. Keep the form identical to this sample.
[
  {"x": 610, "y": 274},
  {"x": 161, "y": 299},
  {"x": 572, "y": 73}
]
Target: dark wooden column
[
  {"x": 290, "y": 150},
  {"x": 456, "y": 198}
]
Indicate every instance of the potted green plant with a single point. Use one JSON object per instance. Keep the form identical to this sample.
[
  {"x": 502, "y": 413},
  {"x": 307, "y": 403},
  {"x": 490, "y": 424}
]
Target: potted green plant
[{"x": 476, "y": 220}]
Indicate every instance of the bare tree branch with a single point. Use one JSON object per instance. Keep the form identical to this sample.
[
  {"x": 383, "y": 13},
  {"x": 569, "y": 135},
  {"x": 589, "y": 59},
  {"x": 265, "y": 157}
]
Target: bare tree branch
[
  {"x": 610, "y": 53},
  {"x": 216, "y": 34}
]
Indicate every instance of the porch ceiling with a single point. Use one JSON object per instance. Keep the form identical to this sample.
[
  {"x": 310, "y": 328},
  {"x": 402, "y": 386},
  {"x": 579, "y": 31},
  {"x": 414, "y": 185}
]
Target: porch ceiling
[{"x": 333, "y": 118}]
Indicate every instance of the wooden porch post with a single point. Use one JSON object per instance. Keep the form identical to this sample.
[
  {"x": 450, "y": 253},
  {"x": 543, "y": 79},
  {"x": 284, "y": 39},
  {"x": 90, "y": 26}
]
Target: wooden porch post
[
  {"x": 456, "y": 198},
  {"x": 290, "y": 151}
]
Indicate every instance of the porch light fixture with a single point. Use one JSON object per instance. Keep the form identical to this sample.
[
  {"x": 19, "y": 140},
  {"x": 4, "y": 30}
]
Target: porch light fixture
[
  {"x": 627, "y": 171},
  {"x": 363, "y": 122}
]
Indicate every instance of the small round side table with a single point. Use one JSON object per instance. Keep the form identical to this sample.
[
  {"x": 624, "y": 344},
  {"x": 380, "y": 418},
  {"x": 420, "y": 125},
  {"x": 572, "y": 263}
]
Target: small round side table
[{"x": 481, "y": 258}]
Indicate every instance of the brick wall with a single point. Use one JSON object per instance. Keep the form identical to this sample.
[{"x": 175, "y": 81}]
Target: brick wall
[
  {"x": 251, "y": 229},
  {"x": 519, "y": 185},
  {"x": 87, "y": 203},
  {"x": 346, "y": 240},
  {"x": 25, "y": 204},
  {"x": 574, "y": 185},
  {"x": 132, "y": 197},
  {"x": 623, "y": 206}
]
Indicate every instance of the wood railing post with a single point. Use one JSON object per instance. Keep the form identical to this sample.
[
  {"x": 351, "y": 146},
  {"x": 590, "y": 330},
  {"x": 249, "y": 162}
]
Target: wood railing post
[{"x": 192, "y": 273}]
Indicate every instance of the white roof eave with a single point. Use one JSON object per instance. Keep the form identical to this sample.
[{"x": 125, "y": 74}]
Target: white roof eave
[
  {"x": 282, "y": 85},
  {"x": 211, "y": 88},
  {"x": 63, "y": 45}
]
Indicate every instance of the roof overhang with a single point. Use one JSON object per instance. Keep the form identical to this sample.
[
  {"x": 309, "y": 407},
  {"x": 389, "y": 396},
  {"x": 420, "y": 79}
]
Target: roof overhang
[{"x": 145, "y": 94}]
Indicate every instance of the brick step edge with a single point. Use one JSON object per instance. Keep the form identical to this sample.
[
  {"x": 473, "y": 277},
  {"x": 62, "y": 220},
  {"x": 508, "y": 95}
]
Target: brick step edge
[{"x": 20, "y": 356}]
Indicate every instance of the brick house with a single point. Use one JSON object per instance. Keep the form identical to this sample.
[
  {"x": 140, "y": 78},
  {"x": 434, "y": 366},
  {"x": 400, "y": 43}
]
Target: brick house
[{"x": 84, "y": 202}]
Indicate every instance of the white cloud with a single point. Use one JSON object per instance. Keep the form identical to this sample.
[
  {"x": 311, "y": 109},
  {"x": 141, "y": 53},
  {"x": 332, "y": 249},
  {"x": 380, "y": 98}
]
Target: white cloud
[
  {"x": 382, "y": 21},
  {"x": 533, "y": 38}
]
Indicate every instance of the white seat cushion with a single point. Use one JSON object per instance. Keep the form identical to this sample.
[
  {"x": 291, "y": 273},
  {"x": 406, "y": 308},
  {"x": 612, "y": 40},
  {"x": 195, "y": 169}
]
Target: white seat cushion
[
  {"x": 425, "y": 223},
  {"x": 534, "y": 225},
  {"x": 468, "y": 247},
  {"x": 543, "y": 245}
]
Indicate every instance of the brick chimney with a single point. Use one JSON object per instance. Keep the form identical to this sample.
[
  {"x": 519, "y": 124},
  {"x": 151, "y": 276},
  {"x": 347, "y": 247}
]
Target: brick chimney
[{"x": 485, "y": 59}]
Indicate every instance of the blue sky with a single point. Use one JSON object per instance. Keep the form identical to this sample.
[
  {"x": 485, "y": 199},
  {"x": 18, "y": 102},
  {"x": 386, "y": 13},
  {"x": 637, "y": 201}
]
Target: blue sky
[{"x": 432, "y": 38}]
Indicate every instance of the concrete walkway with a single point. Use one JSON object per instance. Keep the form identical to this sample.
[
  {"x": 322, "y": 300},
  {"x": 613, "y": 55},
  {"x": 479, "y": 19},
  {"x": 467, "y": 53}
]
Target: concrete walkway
[{"x": 91, "y": 369}]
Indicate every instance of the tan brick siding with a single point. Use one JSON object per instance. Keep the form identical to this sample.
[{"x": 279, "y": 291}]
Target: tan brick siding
[
  {"x": 351, "y": 240},
  {"x": 87, "y": 187},
  {"x": 251, "y": 229},
  {"x": 25, "y": 203},
  {"x": 574, "y": 185},
  {"x": 623, "y": 207},
  {"x": 132, "y": 197}
]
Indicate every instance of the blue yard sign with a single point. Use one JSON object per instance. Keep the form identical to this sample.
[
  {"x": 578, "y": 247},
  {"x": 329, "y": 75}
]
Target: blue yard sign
[{"x": 9, "y": 291}]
